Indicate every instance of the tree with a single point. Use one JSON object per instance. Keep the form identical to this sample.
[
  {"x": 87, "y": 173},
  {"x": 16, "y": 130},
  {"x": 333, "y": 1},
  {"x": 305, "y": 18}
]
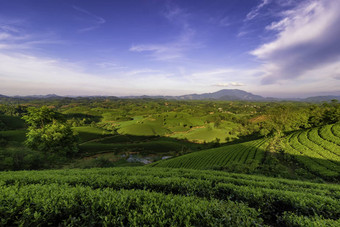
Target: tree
[
  {"x": 332, "y": 113},
  {"x": 49, "y": 133},
  {"x": 39, "y": 117}
]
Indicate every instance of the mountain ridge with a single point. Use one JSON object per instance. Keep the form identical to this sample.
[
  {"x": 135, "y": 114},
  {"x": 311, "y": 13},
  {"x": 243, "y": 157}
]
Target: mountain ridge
[{"x": 223, "y": 95}]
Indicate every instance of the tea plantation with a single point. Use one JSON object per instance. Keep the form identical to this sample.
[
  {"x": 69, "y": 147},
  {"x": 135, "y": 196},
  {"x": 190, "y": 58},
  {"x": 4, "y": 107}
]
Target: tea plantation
[{"x": 163, "y": 197}]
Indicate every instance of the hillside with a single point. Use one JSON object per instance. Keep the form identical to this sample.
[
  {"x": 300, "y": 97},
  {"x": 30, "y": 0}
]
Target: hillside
[
  {"x": 314, "y": 153},
  {"x": 170, "y": 197},
  {"x": 249, "y": 154},
  {"x": 214, "y": 177}
]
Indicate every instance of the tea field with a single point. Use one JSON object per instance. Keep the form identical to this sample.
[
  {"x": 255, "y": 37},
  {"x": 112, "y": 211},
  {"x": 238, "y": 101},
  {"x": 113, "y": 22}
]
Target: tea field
[{"x": 163, "y": 197}]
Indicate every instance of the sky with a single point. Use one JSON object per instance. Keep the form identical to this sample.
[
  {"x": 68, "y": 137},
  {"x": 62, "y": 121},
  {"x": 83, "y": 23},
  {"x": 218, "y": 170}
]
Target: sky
[{"x": 273, "y": 48}]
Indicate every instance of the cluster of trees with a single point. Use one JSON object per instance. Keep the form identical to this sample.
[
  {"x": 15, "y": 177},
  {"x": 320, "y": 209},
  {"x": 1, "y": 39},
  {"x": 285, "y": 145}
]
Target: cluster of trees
[
  {"x": 13, "y": 109},
  {"x": 48, "y": 132},
  {"x": 285, "y": 118}
]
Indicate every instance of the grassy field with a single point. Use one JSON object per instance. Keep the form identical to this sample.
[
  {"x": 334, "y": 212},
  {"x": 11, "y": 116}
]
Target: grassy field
[{"x": 178, "y": 125}]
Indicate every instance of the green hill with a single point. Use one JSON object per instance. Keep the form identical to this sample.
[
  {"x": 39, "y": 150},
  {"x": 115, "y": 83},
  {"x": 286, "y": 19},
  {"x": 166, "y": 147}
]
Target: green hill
[
  {"x": 317, "y": 150},
  {"x": 163, "y": 197},
  {"x": 249, "y": 153},
  {"x": 313, "y": 152}
]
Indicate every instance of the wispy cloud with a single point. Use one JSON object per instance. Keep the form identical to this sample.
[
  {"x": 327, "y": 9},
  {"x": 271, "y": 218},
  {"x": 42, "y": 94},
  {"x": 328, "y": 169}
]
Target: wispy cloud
[
  {"x": 214, "y": 72},
  {"x": 229, "y": 84},
  {"x": 307, "y": 40},
  {"x": 221, "y": 20},
  {"x": 93, "y": 20},
  {"x": 26, "y": 74},
  {"x": 177, "y": 48},
  {"x": 23, "y": 72},
  {"x": 162, "y": 52},
  {"x": 223, "y": 77},
  {"x": 255, "y": 11},
  {"x": 225, "y": 21},
  {"x": 14, "y": 37}
]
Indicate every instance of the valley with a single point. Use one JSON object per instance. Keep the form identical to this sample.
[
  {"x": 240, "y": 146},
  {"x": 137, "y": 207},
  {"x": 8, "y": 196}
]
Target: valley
[{"x": 241, "y": 163}]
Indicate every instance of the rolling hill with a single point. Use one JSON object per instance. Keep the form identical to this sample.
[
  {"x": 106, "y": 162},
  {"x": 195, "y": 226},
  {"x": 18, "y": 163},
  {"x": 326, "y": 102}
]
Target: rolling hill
[{"x": 314, "y": 151}]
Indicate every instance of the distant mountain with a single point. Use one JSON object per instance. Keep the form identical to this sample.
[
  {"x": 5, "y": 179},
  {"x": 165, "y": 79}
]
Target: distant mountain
[
  {"x": 225, "y": 94},
  {"x": 321, "y": 98},
  {"x": 49, "y": 96},
  {"x": 38, "y": 96}
]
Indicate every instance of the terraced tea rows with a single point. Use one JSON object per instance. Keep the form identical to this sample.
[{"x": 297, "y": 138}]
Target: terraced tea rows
[
  {"x": 318, "y": 150},
  {"x": 244, "y": 153},
  {"x": 328, "y": 133},
  {"x": 156, "y": 196}
]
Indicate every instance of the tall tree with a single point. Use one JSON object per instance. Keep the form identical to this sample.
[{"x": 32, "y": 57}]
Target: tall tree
[{"x": 49, "y": 133}]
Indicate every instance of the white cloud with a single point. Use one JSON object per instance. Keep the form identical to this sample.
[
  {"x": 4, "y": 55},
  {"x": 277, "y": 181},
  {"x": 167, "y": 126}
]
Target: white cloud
[
  {"x": 255, "y": 11},
  {"x": 162, "y": 52},
  {"x": 230, "y": 84},
  {"x": 213, "y": 73},
  {"x": 5, "y": 36},
  {"x": 22, "y": 72},
  {"x": 25, "y": 74},
  {"x": 175, "y": 49},
  {"x": 13, "y": 37},
  {"x": 207, "y": 81},
  {"x": 225, "y": 22},
  {"x": 93, "y": 20},
  {"x": 307, "y": 39}
]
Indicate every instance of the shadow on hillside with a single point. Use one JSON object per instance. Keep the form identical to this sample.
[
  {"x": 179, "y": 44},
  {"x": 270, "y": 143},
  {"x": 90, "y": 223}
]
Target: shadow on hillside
[
  {"x": 11, "y": 122},
  {"x": 145, "y": 145},
  {"x": 243, "y": 139},
  {"x": 88, "y": 117},
  {"x": 262, "y": 162}
]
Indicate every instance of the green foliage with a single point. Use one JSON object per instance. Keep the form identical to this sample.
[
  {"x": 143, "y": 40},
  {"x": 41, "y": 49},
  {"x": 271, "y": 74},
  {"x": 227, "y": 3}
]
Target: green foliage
[
  {"x": 10, "y": 122},
  {"x": 39, "y": 117},
  {"x": 292, "y": 219},
  {"x": 279, "y": 156},
  {"x": 226, "y": 157},
  {"x": 87, "y": 133},
  {"x": 48, "y": 133},
  {"x": 18, "y": 158},
  {"x": 155, "y": 196},
  {"x": 83, "y": 206},
  {"x": 284, "y": 118},
  {"x": 10, "y": 109},
  {"x": 315, "y": 153},
  {"x": 3, "y": 141},
  {"x": 53, "y": 138},
  {"x": 14, "y": 135}
]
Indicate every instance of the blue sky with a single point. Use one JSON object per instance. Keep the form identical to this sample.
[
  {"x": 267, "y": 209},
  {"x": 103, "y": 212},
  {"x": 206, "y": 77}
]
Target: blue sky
[{"x": 279, "y": 48}]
